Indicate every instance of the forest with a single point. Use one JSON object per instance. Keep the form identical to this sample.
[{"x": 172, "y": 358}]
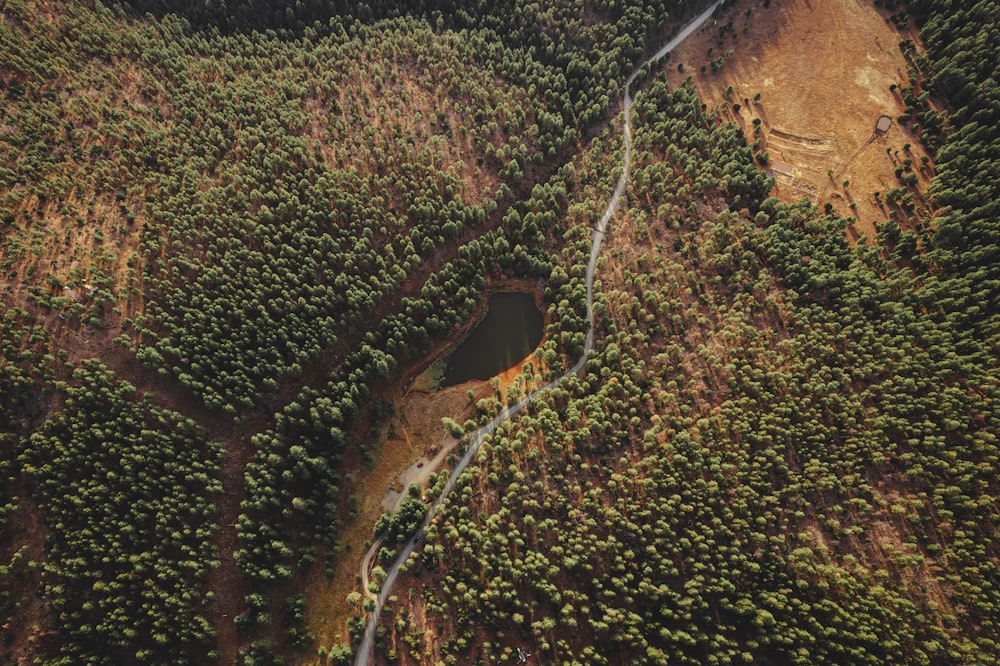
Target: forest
[{"x": 229, "y": 229}]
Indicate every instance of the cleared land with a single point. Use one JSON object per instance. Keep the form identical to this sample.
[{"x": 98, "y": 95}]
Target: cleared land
[{"x": 818, "y": 76}]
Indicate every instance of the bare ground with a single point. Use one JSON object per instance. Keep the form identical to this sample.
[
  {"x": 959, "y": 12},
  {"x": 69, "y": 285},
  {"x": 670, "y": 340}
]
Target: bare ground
[
  {"x": 823, "y": 71},
  {"x": 414, "y": 433}
]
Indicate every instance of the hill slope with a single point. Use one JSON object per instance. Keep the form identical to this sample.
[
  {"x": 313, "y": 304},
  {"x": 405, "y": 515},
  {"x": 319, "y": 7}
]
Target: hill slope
[{"x": 228, "y": 231}]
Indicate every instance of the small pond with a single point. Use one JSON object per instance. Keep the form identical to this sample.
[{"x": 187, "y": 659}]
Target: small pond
[{"x": 511, "y": 330}]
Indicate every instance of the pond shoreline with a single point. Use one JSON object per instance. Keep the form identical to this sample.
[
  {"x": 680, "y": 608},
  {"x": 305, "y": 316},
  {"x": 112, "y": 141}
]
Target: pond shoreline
[
  {"x": 434, "y": 456},
  {"x": 404, "y": 439},
  {"x": 430, "y": 378}
]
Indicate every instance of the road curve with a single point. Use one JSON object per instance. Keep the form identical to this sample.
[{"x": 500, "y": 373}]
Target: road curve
[{"x": 476, "y": 438}]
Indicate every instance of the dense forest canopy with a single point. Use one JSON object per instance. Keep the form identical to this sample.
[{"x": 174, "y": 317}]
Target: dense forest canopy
[
  {"x": 228, "y": 227},
  {"x": 809, "y": 472}
]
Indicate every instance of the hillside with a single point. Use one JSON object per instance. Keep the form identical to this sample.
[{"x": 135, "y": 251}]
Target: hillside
[{"x": 232, "y": 234}]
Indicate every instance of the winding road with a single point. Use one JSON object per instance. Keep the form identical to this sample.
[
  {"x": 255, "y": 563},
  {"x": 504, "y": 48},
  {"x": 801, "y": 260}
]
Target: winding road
[{"x": 365, "y": 648}]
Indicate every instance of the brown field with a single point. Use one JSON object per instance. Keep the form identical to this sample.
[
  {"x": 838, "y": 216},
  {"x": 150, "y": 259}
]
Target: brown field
[{"x": 823, "y": 72}]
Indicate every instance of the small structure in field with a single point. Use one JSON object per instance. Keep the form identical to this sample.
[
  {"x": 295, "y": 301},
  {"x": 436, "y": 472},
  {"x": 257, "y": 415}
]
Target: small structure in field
[
  {"x": 882, "y": 125},
  {"x": 69, "y": 292}
]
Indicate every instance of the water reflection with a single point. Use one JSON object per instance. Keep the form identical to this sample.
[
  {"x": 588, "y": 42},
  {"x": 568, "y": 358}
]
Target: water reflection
[{"x": 510, "y": 331}]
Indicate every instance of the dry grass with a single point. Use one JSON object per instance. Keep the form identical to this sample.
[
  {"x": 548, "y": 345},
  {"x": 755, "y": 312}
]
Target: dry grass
[
  {"x": 823, "y": 72},
  {"x": 414, "y": 431}
]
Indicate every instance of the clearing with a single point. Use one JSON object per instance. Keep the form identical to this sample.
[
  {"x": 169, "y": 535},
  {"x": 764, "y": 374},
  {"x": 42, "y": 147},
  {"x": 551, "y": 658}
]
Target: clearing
[
  {"x": 410, "y": 443},
  {"x": 818, "y": 76}
]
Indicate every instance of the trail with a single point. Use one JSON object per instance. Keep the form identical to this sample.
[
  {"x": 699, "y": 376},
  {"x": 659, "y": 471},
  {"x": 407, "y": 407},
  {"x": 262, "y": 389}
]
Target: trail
[{"x": 476, "y": 439}]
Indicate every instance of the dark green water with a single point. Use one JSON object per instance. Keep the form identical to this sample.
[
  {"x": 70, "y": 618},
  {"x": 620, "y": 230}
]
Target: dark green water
[{"x": 510, "y": 331}]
